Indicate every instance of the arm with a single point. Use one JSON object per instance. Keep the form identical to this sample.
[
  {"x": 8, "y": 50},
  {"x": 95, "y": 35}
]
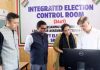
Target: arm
[
  {"x": 56, "y": 44},
  {"x": 58, "y": 50},
  {"x": 28, "y": 42},
  {"x": 1, "y": 43}
]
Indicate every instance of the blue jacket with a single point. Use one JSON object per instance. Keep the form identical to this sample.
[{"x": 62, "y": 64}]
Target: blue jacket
[{"x": 39, "y": 48}]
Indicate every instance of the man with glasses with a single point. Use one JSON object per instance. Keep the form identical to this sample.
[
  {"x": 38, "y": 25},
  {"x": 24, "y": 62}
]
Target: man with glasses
[{"x": 37, "y": 45}]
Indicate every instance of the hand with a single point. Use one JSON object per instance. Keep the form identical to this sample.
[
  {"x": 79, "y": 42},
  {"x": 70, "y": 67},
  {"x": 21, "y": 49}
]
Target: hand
[
  {"x": 58, "y": 50},
  {"x": 61, "y": 51}
]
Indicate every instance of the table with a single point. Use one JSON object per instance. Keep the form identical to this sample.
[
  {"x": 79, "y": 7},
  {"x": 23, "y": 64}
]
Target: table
[{"x": 23, "y": 65}]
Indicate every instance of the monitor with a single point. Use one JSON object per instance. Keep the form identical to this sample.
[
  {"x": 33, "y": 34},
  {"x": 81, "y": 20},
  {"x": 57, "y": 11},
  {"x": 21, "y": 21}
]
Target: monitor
[{"x": 81, "y": 59}]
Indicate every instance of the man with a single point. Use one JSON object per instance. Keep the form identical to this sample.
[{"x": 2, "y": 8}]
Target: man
[
  {"x": 89, "y": 38},
  {"x": 37, "y": 45},
  {"x": 9, "y": 43}
]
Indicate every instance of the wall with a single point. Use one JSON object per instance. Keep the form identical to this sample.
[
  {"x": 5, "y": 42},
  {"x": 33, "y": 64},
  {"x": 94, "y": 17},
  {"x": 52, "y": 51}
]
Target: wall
[{"x": 9, "y": 5}]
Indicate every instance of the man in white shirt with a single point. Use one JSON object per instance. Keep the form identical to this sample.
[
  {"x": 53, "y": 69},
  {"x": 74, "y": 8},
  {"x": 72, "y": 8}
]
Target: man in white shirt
[{"x": 89, "y": 37}]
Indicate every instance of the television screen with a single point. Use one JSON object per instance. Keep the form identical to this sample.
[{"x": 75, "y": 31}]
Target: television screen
[{"x": 81, "y": 59}]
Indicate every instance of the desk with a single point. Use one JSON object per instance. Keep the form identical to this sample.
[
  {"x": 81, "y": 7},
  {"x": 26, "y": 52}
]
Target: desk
[{"x": 23, "y": 65}]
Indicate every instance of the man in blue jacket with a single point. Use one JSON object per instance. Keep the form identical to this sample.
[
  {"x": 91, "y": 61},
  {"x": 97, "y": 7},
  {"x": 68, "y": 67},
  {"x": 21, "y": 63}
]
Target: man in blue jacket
[{"x": 37, "y": 45}]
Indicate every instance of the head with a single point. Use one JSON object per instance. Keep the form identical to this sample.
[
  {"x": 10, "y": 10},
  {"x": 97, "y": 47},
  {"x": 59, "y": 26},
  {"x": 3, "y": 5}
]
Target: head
[
  {"x": 12, "y": 21},
  {"x": 84, "y": 23},
  {"x": 66, "y": 29},
  {"x": 41, "y": 26}
]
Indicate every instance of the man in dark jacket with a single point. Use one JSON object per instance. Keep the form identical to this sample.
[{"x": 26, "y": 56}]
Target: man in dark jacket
[{"x": 37, "y": 45}]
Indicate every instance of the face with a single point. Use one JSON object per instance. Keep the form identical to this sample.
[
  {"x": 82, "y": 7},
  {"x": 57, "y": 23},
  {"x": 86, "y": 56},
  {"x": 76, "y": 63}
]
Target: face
[
  {"x": 13, "y": 24},
  {"x": 84, "y": 26},
  {"x": 67, "y": 30},
  {"x": 42, "y": 28}
]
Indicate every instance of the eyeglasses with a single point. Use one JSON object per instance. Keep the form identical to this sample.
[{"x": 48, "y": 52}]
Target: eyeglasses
[
  {"x": 44, "y": 28},
  {"x": 66, "y": 30}
]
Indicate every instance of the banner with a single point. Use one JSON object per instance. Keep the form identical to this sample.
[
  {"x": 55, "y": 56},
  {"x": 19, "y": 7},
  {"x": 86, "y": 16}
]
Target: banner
[{"x": 55, "y": 13}]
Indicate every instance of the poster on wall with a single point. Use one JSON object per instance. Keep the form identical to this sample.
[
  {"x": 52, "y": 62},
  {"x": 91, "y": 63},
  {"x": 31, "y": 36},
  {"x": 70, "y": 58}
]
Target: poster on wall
[{"x": 55, "y": 13}]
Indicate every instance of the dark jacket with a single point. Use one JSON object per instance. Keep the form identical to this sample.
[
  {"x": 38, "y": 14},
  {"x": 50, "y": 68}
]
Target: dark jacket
[{"x": 39, "y": 48}]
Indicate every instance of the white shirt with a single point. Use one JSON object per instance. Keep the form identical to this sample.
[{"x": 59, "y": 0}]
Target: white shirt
[
  {"x": 89, "y": 40},
  {"x": 28, "y": 42}
]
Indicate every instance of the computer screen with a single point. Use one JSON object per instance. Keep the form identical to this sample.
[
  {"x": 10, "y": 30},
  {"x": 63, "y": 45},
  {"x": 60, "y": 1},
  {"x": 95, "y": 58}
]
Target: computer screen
[{"x": 81, "y": 59}]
